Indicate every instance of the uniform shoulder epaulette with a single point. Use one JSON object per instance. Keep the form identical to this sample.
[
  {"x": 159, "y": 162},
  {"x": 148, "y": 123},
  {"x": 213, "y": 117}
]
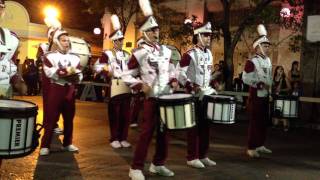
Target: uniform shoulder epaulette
[{"x": 49, "y": 53}]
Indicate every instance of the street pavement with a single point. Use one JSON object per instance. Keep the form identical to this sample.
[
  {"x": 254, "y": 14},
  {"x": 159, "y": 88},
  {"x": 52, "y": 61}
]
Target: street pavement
[{"x": 296, "y": 154}]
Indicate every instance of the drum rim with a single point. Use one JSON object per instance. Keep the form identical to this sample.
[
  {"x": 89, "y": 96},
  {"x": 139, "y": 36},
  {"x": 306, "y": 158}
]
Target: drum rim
[
  {"x": 285, "y": 97},
  {"x": 13, "y": 156},
  {"x": 11, "y": 111},
  {"x": 186, "y": 99},
  {"x": 227, "y": 97}
]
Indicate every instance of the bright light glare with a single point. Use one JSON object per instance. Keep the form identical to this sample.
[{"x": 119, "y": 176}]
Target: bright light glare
[
  {"x": 51, "y": 12},
  {"x": 97, "y": 31}
]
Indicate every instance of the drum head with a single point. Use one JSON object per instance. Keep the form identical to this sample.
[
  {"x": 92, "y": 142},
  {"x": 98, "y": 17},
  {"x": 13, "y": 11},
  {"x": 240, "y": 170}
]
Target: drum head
[
  {"x": 17, "y": 108},
  {"x": 175, "y": 99},
  {"x": 175, "y": 96},
  {"x": 221, "y": 97}
]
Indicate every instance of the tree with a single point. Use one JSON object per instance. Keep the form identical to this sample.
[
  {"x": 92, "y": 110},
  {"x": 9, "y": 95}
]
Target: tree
[
  {"x": 125, "y": 9},
  {"x": 231, "y": 42}
]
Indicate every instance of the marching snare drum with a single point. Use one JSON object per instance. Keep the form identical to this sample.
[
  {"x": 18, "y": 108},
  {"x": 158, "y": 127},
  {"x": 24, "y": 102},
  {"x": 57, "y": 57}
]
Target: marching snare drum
[
  {"x": 81, "y": 48},
  {"x": 119, "y": 87},
  {"x": 177, "y": 111},
  {"x": 286, "y": 106},
  {"x": 220, "y": 108},
  {"x": 17, "y": 125}
]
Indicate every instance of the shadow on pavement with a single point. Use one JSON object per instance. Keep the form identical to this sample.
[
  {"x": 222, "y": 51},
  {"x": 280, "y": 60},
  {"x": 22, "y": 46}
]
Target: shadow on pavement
[{"x": 58, "y": 165}]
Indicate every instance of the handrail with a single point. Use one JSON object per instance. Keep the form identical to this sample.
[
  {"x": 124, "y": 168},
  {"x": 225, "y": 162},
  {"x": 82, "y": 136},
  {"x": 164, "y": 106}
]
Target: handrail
[{"x": 302, "y": 99}]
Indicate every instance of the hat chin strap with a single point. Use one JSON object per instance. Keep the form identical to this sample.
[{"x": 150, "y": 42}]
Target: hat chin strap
[
  {"x": 201, "y": 41},
  {"x": 60, "y": 46},
  {"x": 261, "y": 50},
  {"x": 146, "y": 36}
]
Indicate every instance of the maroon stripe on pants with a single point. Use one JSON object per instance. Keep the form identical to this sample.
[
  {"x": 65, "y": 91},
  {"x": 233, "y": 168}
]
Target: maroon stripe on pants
[
  {"x": 258, "y": 111},
  {"x": 198, "y": 137},
  {"x": 61, "y": 99},
  {"x": 45, "y": 90},
  {"x": 119, "y": 120},
  {"x": 148, "y": 124},
  {"x": 135, "y": 107}
]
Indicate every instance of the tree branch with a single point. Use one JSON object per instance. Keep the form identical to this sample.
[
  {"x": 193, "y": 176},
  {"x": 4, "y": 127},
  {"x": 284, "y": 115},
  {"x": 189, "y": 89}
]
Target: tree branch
[{"x": 247, "y": 21}]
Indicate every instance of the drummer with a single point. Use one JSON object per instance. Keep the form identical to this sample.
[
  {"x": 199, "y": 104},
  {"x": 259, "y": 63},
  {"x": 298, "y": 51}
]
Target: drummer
[
  {"x": 152, "y": 62},
  {"x": 258, "y": 75},
  {"x": 113, "y": 63},
  {"x": 9, "y": 43},
  {"x": 194, "y": 72},
  {"x": 43, "y": 49},
  {"x": 63, "y": 69}
]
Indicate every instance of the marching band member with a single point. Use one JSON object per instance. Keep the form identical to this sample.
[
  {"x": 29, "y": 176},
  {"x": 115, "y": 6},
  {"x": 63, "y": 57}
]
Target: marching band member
[
  {"x": 152, "y": 62},
  {"x": 113, "y": 63},
  {"x": 45, "y": 81},
  {"x": 194, "y": 72},
  {"x": 9, "y": 43},
  {"x": 136, "y": 99},
  {"x": 63, "y": 69},
  {"x": 258, "y": 75}
]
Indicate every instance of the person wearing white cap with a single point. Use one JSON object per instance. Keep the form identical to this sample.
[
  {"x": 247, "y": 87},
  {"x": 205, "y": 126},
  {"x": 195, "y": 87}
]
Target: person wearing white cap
[
  {"x": 258, "y": 75},
  {"x": 194, "y": 73},
  {"x": 152, "y": 62},
  {"x": 112, "y": 64},
  {"x": 43, "y": 49},
  {"x": 9, "y": 43},
  {"x": 64, "y": 70}
]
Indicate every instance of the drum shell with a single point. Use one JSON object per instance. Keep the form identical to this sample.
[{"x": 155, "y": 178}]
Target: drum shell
[
  {"x": 17, "y": 127},
  {"x": 81, "y": 48},
  {"x": 221, "y": 109},
  {"x": 119, "y": 87},
  {"x": 285, "y": 106},
  {"x": 177, "y": 114}
]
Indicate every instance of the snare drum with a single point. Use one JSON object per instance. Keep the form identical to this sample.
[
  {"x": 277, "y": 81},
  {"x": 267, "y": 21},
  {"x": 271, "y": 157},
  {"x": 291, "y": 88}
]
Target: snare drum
[
  {"x": 220, "y": 108},
  {"x": 286, "y": 106},
  {"x": 177, "y": 111},
  {"x": 17, "y": 125},
  {"x": 119, "y": 87}
]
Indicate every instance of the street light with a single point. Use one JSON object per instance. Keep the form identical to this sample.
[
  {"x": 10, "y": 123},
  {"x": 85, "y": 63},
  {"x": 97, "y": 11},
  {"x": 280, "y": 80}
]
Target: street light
[
  {"x": 97, "y": 31},
  {"x": 51, "y": 12}
]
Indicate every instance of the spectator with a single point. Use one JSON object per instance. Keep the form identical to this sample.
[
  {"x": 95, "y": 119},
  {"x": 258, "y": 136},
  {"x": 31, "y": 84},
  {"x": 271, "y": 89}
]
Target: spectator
[
  {"x": 30, "y": 76},
  {"x": 281, "y": 86},
  {"x": 224, "y": 69},
  {"x": 294, "y": 74},
  {"x": 217, "y": 78}
]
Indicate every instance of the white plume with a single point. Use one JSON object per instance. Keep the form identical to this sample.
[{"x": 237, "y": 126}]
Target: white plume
[
  {"x": 261, "y": 30},
  {"x": 52, "y": 22},
  {"x": 115, "y": 22},
  {"x": 146, "y": 7}
]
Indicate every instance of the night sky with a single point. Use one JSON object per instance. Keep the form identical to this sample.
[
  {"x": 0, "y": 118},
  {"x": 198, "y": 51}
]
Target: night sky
[{"x": 73, "y": 13}]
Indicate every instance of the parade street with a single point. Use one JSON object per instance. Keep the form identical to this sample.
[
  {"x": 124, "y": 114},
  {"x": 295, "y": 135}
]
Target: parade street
[{"x": 295, "y": 153}]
